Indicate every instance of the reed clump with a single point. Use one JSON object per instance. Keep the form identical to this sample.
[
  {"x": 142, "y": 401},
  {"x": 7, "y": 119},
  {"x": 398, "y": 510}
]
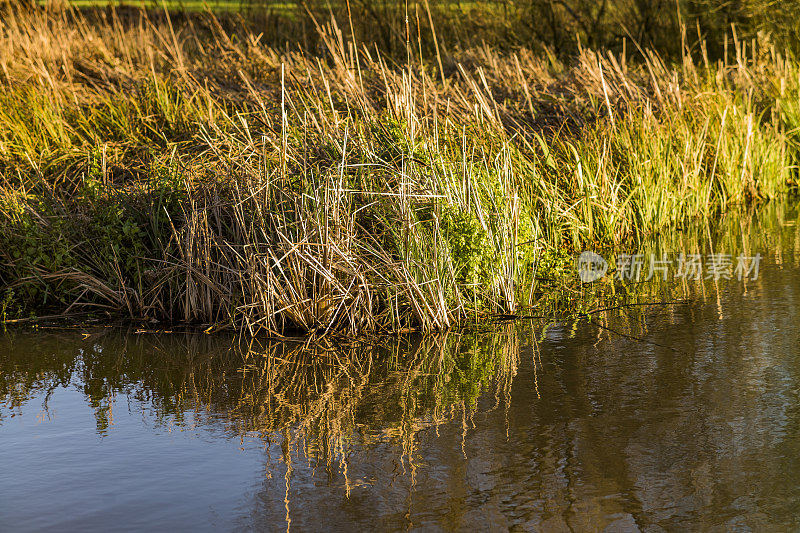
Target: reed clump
[{"x": 176, "y": 171}]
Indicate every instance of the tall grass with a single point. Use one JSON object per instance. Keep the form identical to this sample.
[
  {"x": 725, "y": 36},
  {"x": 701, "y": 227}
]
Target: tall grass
[
  {"x": 175, "y": 171},
  {"x": 560, "y": 27}
]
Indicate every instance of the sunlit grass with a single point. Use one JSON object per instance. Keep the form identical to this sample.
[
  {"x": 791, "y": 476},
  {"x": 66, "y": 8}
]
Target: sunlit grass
[{"x": 191, "y": 174}]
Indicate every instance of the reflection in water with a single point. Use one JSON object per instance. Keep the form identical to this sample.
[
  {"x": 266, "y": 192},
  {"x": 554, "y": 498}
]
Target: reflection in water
[
  {"x": 310, "y": 407},
  {"x": 641, "y": 418}
]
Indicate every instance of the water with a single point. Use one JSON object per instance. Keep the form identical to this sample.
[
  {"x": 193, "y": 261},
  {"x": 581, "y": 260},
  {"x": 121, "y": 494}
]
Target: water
[{"x": 684, "y": 416}]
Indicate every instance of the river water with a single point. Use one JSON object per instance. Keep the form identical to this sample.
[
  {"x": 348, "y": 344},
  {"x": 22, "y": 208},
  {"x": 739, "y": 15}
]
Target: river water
[{"x": 642, "y": 418}]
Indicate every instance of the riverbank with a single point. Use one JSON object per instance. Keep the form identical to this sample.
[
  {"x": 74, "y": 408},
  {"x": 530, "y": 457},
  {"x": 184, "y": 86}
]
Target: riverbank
[{"x": 182, "y": 173}]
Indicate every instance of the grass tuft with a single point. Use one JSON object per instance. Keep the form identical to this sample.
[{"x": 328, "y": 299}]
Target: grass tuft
[{"x": 175, "y": 171}]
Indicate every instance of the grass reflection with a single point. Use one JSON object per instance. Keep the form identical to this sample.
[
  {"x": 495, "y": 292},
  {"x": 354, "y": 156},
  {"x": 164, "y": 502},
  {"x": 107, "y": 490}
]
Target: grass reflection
[{"x": 321, "y": 397}]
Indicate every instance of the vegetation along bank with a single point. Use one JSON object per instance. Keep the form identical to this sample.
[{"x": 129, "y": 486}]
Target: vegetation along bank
[{"x": 186, "y": 170}]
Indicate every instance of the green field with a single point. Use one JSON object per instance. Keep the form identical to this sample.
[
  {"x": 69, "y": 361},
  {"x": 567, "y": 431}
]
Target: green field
[{"x": 190, "y": 5}]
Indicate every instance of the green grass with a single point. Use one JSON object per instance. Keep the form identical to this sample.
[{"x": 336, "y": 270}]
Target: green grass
[
  {"x": 173, "y": 170},
  {"x": 285, "y": 8}
]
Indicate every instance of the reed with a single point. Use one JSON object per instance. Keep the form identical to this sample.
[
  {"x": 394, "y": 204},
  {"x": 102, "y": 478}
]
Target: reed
[{"x": 173, "y": 170}]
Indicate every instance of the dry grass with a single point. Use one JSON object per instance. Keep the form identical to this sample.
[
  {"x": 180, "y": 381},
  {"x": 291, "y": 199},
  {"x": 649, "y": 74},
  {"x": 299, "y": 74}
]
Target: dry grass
[{"x": 179, "y": 172}]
